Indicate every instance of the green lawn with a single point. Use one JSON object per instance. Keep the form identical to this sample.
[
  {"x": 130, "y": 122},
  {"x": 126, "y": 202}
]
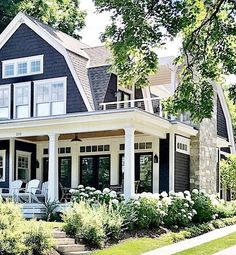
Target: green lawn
[
  {"x": 211, "y": 247},
  {"x": 136, "y": 246}
]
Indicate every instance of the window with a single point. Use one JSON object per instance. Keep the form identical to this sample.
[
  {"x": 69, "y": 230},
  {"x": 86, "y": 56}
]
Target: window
[
  {"x": 140, "y": 146},
  {"x": 2, "y": 165},
  {"x": 23, "y": 166},
  {"x": 5, "y": 102},
  {"x": 95, "y": 148},
  {"x": 22, "y": 100},
  {"x": 22, "y": 66},
  {"x": 50, "y": 97},
  {"x": 183, "y": 145}
]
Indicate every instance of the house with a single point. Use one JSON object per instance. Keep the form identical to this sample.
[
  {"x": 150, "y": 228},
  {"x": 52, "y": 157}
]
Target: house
[{"x": 64, "y": 118}]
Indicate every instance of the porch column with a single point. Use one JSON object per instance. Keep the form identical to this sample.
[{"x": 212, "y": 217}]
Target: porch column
[
  {"x": 156, "y": 151},
  {"x": 129, "y": 179},
  {"x": 11, "y": 160},
  {"x": 53, "y": 167},
  {"x": 172, "y": 162},
  {"x": 75, "y": 165}
]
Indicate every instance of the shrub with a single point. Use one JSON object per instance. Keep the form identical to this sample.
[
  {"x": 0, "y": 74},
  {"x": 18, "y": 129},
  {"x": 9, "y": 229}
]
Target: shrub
[
  {"x": 226, "y": 209},
  {"x": 203, "y": 204},
  {"x": 37, "y": 239}
]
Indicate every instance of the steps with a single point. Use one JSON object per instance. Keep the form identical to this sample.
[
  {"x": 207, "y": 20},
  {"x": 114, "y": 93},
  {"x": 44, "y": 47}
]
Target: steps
[{"x": 67, "y": 246}]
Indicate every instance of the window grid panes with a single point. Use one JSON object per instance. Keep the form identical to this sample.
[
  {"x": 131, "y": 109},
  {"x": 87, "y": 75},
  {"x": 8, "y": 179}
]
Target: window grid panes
[
  {"x": 94, "y": 148},
  {"x": 2, "y": 167},
  {"x": 140, "y": 146},
  {"x": 35, "y": 66},
  {"x": 22, "y": 68},
  {"x": 9, "y": 70},
  {"x": 22, "y": 97},
  {"x": 4, "y": 103},
  {"x": 23, "y": 167}
]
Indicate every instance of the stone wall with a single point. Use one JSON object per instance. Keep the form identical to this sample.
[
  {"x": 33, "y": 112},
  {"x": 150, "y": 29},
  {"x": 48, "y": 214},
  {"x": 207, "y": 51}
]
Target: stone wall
[{"x": 203, "y": 151}]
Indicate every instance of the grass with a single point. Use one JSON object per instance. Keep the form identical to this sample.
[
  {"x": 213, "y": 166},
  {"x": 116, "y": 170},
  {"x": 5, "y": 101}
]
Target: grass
[
  {"x": 136, "y": 246},
  {"x": 211, "y": 247}
]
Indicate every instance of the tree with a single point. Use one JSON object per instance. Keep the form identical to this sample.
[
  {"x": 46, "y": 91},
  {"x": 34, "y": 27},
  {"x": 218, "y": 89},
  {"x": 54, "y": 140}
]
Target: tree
[
  {"x": 64, "y": 15},
  {"x": 208, "y": 31},
  {"x": 228, "y": 173}
]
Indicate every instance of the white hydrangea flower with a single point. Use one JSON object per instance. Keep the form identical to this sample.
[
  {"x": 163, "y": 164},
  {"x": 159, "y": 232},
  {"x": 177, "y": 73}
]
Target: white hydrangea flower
[
  {"x": 134, "y": 197},
  {"x": 213, "y": 217},
  {"x": 188, "y": 198},
  {"x": 195, "y": 191},
  {"x": 113, "y": 194},
  {"x": 202, "y": 191},
  {"x": 186, "y": 205},
  {"x": 172, "y": 193},
  {"x": 180, "y": 195},
  {"x": 167, "y": 200},
  {"x": 189, "y": 217},
  {"x": 187, "y": 193},
  {"x": 80, "y": 186},
  {"x": 97, "y": 192},
  {"x": 106, "y": 190},
  {"x": 115, "y": 201},
  {"x": 156, "y": 196},
  {"x": 183, "y": 211},
  {"x": 72, "y": 191},
  {"x": 137, "y": 203},
  {"x": 87, "y": 188},
  {"x": 194, "y": 211},
  {"x": 164, "y": 194}
]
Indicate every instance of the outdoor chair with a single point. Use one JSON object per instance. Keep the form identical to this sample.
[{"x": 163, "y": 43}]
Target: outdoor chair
[
  {"x": 65, "y": 193},
  {"x": 41, "y": 195},
  {"x": 12, "y": 191},
  {"x": 25, "y": 194}
]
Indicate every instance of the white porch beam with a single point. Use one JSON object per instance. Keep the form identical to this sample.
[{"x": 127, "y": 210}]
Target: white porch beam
[
  {"x": 53, "y": 167},
  {"x": 172, "y": 161},
  {"x": 11, "y": 160},
  {"x": 129, "y": 179}
]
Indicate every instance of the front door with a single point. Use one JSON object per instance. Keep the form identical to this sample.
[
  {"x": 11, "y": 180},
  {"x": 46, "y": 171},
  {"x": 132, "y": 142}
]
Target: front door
[
  {"x": 64, "y": 168},
  {"x": 143, "y": 171},
  {"x": 95, "y": 171}
]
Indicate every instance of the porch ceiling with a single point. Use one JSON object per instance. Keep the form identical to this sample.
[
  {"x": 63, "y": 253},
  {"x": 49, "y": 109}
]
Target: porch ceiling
[{"x": 84, "y": 135}]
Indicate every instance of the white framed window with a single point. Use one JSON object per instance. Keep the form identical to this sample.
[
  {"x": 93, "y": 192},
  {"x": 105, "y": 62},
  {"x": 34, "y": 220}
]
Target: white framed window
[
  {"x": 23, "y": 165},
  {"x": 22, "y": 92},
  {"x": 50, "y": 97},
  {"x": 183, "y": 145},
  {"x": 22, "y": 66},
  {"x": 2, "y": 165},
  {"x": 4, "y": 101}
]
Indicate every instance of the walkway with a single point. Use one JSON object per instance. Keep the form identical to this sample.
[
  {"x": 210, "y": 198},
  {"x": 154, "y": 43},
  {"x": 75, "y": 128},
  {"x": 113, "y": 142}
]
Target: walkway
[
  {"x": 229, "y": 251},
  {"x": 190, "y": 243}
]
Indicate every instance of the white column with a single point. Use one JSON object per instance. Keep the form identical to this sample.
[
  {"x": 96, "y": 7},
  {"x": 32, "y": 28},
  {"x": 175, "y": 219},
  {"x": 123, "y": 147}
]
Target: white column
[
  {"x": 172, "y": 162},
  {"x": 53, "y": 168},
  {"x": 114, "y": 163},
  {"x": 129, "y": 179},
  {"x": 156, "y": 179},
  {"x": 75, "y": 165},
  {"x": 11, "y": 160}
]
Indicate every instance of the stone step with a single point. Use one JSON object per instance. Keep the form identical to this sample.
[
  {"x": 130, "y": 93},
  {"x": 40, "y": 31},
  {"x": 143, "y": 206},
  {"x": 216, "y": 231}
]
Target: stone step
[
  {"x": 77, "y": 253},
  {"x": 69, "y": 248},
  {"x": 64, "y": 240},
  {"x": 58, "y": 234}
]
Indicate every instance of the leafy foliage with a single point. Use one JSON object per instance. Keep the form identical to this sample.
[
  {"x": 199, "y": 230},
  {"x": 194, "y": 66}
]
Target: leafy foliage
[
  {"x": 64, "y": 15},
  {"x": 207, "y": 29}
]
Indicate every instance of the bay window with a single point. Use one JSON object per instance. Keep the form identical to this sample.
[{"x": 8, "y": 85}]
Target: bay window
[
  {"x": 4, "y": 101},
  {"x": 22, "y": 100},
  {"x": 50, "y": 97}
]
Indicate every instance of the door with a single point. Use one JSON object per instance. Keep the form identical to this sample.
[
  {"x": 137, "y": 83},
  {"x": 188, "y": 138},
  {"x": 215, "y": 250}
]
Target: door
[
  {"x": 143, "y": 171},
  {"x": 95, "y": 171}
]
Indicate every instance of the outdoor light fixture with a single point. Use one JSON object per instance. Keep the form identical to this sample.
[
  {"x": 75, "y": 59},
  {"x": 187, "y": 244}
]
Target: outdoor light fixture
[
  {"x": 155, "y": 158},
  {"x": 76, "y": 139}
]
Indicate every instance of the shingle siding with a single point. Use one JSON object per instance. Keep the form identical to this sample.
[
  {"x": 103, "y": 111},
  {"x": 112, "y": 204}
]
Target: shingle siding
[
  {"x": 24, "y": 43},
  {"x": 221, "y": 121},
  {"x": 182, "y": 166}
]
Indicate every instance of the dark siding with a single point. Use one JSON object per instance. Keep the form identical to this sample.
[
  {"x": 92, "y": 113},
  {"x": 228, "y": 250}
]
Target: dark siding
[
  {"x": 4, "y": 145},
  {"x": 24, "y": 43},
  {"x": 182, "y": 162},
  {"x": 111, "y": 89},
  {"x": 221, "y": 121},
  {"x": 99, "y": 79},
  {"x": 28, "y": 147},
  {"x": 164, "y": 165}
]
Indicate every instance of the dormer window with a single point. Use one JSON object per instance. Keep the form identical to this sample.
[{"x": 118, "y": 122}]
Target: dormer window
[{"x": 22, "y": 67}]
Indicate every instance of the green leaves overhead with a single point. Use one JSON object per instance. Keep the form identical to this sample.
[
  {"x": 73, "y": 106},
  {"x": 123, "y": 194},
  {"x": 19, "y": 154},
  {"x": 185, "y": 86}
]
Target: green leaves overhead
[
  {"x": 208, "y": 31},
  {"x": 64, "y": 15}
]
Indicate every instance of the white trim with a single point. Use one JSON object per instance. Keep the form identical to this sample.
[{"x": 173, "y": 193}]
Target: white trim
[
  {"x": 50, "y": 82},
  {"x": 17, "y": 61},
  {"x": 23, "y": 154},
  {"x": 3, "y": 154},
  {"x": 227, "y": 116},
  {"x": 7, "y": 86},
  {"x": 171, "y": 161},
  {"x": 184, "y": 141},
  {"x": 17, "y": 85},
  {"x": 15, "y": 24}
]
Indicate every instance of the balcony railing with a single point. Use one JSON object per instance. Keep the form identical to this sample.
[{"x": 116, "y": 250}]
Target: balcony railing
[{"x": 152, "y": 105}]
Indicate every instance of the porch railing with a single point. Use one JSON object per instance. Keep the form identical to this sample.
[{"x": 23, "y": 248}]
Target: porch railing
[{"x": 152, "y": 105}]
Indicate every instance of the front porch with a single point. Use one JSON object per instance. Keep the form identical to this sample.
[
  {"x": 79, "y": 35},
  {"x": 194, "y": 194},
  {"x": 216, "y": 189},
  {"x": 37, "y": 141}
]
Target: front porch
[{"x": 117, "y": 148}]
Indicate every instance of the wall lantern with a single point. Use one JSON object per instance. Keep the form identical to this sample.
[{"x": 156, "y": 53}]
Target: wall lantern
[{"x": 155, "y": 158}]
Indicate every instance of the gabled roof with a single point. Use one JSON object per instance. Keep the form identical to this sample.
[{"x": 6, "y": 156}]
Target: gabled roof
[
  {"x": 60, "y": 41},
  {"x": 99, "y": 56}
]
